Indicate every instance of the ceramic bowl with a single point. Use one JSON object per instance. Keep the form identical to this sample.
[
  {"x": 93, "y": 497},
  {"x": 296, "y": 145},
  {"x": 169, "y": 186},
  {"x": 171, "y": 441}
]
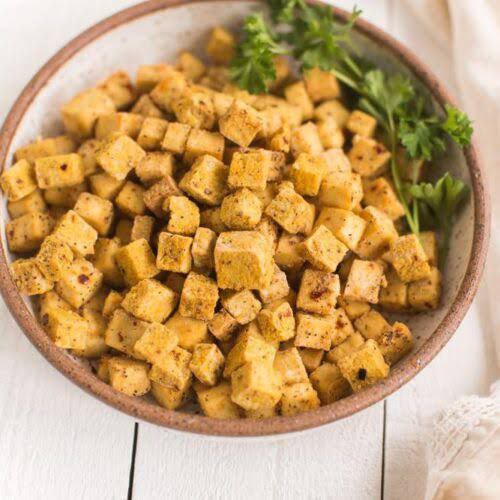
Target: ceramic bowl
[{"x": 156, "y": 31}]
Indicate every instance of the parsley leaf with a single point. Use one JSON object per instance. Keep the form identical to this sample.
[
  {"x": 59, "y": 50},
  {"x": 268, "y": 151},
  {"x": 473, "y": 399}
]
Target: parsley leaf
[
  {"x": 283, "y": 11},
  {"x": 457, "y": 125},
  {"x": 253, "y": 67}
]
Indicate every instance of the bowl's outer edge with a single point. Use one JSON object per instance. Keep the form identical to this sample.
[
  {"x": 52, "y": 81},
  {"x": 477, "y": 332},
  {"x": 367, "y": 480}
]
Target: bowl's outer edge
[{"x": 141, "y": 409}]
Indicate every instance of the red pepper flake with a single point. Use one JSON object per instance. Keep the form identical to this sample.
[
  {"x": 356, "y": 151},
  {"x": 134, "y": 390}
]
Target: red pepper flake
[
  {"x": 83, "y": 278},
  {"x": 64, "y": 166}
]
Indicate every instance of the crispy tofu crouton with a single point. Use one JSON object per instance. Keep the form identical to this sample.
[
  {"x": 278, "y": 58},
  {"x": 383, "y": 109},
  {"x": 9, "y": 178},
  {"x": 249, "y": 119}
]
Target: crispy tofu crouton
[
  {"x": 156, "y": 341},
  {"x": 222, "y": 102},
  {"x": 329, "y": 383},
  {"x": 364, "y": 367},
  {"x": 172, "y": 368},
  {"x": 409, "y": 258},
  {"x": 395, "y": 342},
  {"x": 51, "y": 146},
  {"x": 80, "y": 114},
  {"x": 50, "y": 300},
  {"x": 184, "y": 215},
  {"x": 341, "y": 190},
  {"x": 336, "y": 161},
  {"x": 31, "y": 203},
  {"x": 241, "y": 210},
  {"x": 154, "y": 167},
  {"x": 368, "y": 157},
  {"x": 364, "y": 281},
  {"x": 428, "y": 241},
  {"x": 149, "y": 75},
  {"x": 95, "y": 346},
  {"x": 119, "y": 89},
  {"x": 222, "y": 326},
  {"x": 330, "y": 134},
  {"x": 207, "y": 363},
  {"x": 104, "y": 260},
  {"x": 371, "y": 325},
  {"x": 341, "y": 326},
  {"x": 345, "y": 225},
  {"x": 59, "y": 171},
  {"x": 350, "y": 344},
  {"x": 54, "y": 258},
  {"x": 321, "y": 85},
  {"x": 76, "y": 233},
  {"x": 202, "y": 249},
  {"x": 394, "y": 297},
  {"x": 203, "y": 142},
  {"x": 249, "y": 169},
  {"x": 307, "y": 173},
  {"x": 169, "y": 397},
  {"x": 323, "y": 250},
  {"x": 67, "y": 329},
  {"x": 290, "y": 366},
  {"x": 298, "y": 398},
  {"x": 174, "y": 253},
  {"x": 175, "y": 138},
  {"x": 130, "y": 200},
  {"x": 88, "y": 151},
  {"x": 288, "y": 255},
  {"x": 306, "y": 139},
  {"x": 332, "y": 109},
  {"x": 243, "y": 259},
  {"x": 118, "y": 124},
  {"x": 146, "y": 107},
  {"x": 425, "y": 294},
  {"x": 64, "y": 197},
  {"x": 318, "y": 292},
  {"x": 313, "y": 332},
  {"x": 380, "y": 194},
  {"x": 276, "y": 322},
  {"x": 240, "y": 124},
  {"x": 191, "y": 65},
  {"x": 27, "y": 232},
  {"x": 142, "y": 228},
  {"x": 260, "y": 414},
  {"x": 18, "y": 181},
  {"x": 277, "y": 289},
  {"x": 156, "y": 195},
  {"x": 129, "y": 376},
  {"x": 96, "y": 211},
  {"x": 199, "y": 297},
  {"x": 361, "y": 124},
  {"x": 216, "y": 401},
  {"x": 136, "y": 261},
  {"x": 152, "y": 132},
  {"x": 28, "y": 277},
  {"x": 168, "y": 89},
  {"x": 195, "y": 109},
  {"x": 111, "y": 303},
  {"x": 292, "y": 212},
  {"x": 270, "y": 230},
  {"x": 297, "y": 95},
  {"x": 105, "y": 186},
  {"x": 311, "y": 358},
  {"x": 243, "y": 306},
  {"x": 379, "y": 234},
  {"x": 190, "y": 331},
  {"x": 221, "y": 46}
]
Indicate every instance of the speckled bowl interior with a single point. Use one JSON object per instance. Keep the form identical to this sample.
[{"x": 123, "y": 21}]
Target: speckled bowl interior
[{"x": 156, "y": 32}]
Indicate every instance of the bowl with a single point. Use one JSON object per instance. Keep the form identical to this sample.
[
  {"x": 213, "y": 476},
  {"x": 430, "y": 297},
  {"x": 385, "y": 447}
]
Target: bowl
[{"x": 155, "y": 31}]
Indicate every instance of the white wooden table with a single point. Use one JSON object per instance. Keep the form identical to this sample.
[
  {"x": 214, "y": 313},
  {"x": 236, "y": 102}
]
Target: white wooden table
[{"x": 57, "y": 442}]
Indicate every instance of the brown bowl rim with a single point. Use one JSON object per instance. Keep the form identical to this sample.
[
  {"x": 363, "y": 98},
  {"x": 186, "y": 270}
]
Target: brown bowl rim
[{"x": 146, "y": 411}]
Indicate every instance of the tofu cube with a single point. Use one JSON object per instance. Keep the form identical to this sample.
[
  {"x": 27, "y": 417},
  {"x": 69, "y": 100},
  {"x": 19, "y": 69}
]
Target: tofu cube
[
  {"x": 425, "y": 294},
  {"x": 206, "y": 180},
  {"x": 336, "y": 161},
  {"x": 345, "y": 225},
  {"x": 172, "y": 368},
  {"x": 149, "y": 75},
  {"x": 329, "y": 383},
  {"x": 364, "y": 367},
  {"x": 289, "y": 365},
  {"x": 395, "y": 342},
  {"x": 241, "y": 210},
  {"x": 330, "y": 134},
  {"x": 191, "y": 66},
  {"x": 95, "y": 347},
  {"x": 154, "y": 167},
  {"x": 306, "y": 139},
  {"x": 216, "y": 402},
  {"x": 142, "y": 228},
  {"x": 428, "y": 241},
  {"x": 222, "y": 326},
  {"x": 211, "y": 219},
  {"x": 297, "y": 95},
  {"x": 288, "y": 255},
  {"x": 207, "y": 363},
  {"x": 313, "y": 332},
  {"x": 364, "y": 281},
  {"x": 341, "y": 326},
  {"x": 349, "y": 345},
  {"x": 368, "y": 157},
  {"x": 156, "y": 341},
  {"x": 169, "y": 396},
  {"x": 151, "y": 301},
  {"x": 298, "y": 398},
  {"x": 190, "y": 331},
  {"x": 361, "y": 124},
  {"x": 270, "y": 230},
  {"x": 276, "y": 322},
  {"x": 321, "y": 85},
  {"x": 221, "y": 46},
  {"x": 202, "y": 249},
  {"x": 28, "y": 277},
  {"x": 318, "y": 292},
  {"x": 240, "y": 124},
  {"x": 54, "y": 258},
  {"x": 118, "y": 155},
  {"x": 118, "y": 124},
  {"x": 80, "y": 114},
  {"x": 87, "y": 151},
  {"x": 96, "y": 211},
  {"x": 394, "y": 297},
  {"x": 59, "y": 171},
  {"x": 371, "y": 325},
  {"x": 307, "y": 174},
  {"x": 130, "y": 200},
  {"x": 104, "y": 260},
  {"x": 278, "y": 288},
  {"x": 256, "y": 385},
  {"x": 105, "y": 186},
  {"x": 123, "y": 231},
  {"x": 111, "y": 303},
  {"x": 67, "y": 329},
  {"x": 380, "y": 194},
  {"x": 168, "y": 90},
  {"x": 136, "y": 261},
  {"x": 195, "y": 109},
  {"x": 129, "y": 376},
  {"x": 243, "y": 259},
  {"x": 119, "y": 88},
  {"x": 292, "y": 212},
  {"x": 323, "y": 250},
  {"x": 123, "y": 331},
  {"x": 199, "y": 297},
  {"x": 146, "y": 107},
  {"x": 409, "y": 258},
  {"x": 184, "y": 215},
  {"x": 175, "y": 138},
  {"x": 379, "y": 234},
  {"x": 152, "y": 132},
  {"x": 33, "y": 202},
  {"x": 341, "y": 190},
  {"x": 155, "y": 196},
  {"x": 18, "y": 181},
  {"x": 62, "y": 144},
  {"x": 249, "y": 170},
  {"x": 311, "y": 358},
  {"x": 76, "y": 233},
  {"x": 27, "y": 232},
  {"x": 174, "y": 253},
  {"x": 332, "y": 109},
  {"x": 243, "y": 306},
  {"x": 202, "y": 142}
]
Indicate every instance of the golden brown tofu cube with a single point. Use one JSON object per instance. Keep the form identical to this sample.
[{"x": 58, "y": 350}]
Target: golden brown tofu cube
[
  {"x": 54, "y": 258},
  {"x": 329, "y": 383},
  {"x": 249, "y": 170},
  {"x": 368, "y": 157},
  {"x": 298, "y": 398},
  {"x": 156, "y": 341},
  {"x": 129, "y": 376},
  {"x": 277, "y": 289},
  {"x": 242, "y": 306},
  {"x": 64, "y": 197},
  {"x": 241, "y": 210},
  {"x": 364, "y": 367},
  {"x": 50, "y": 146},
  {"x": 345, "y": 225},
  {"x": 118, "y": 155},
  {"x": 172, "y": 368},
  {"x": 18, "y": 181},
  {"x": 96, "y": 211},
  {"x": 149, "y": 75},
  {"x": 111, "y": 303},
  {"x": 321, "y": 85},
  {"x": 240, "y": 124},
  {"x": 364, "y": 281},
  {"x": 195, "y": 109},
  {"x": 152, "y": 132},
  {"x": 292, "y": 212},
  {"x": 360, "y": 123},
  {"x": 199, "y": 297},
  {"x": 425, "y": 294},
  {"x": 394, "y": 297},
  {"x": 33, "y": 202},
  {"x": 313, "y": 332},
  {"x": 27, "y": 232},
  {"x": 202, "y": 249},
  {"x": 341, "y": 190},
  {"x": 136, "y": 262},
  {"x": 336, "y": 161},
  {"x": 184, "y": 215},
  {"x": 330, "y": 134},
  {"x": 191, "y": 66},
  {"x": 80, "y": 114},
  {"x": 146, "y": 107},
  {"x": 175, "y": 138},
  {"x": 311, "y": 358},
  {"x": 297, "y": 95},
  {"x": 256, "y": 385},
  {"x": 349, "y": 345},
  {"x": 306, "y": 139},
  {"x": 216, "y": 401},
  {"x": 332, "y": 109},
  {"x": 28, "y": 277},
  {"x": 151, "y": 301},
  {"x": 380, "y": 194},
  {"x": 222, "y": 326},
  {"x": 50, "y": 300},
  {"x": 290, "y": 366},
  {"x": 169, "y": 89},
  {"x": 142, "y": 228},
  {"x": 118, "y": 124},
  {"x": 174, "y": 253},
  {"x": 154, "y": 167},
  {"x": 59, "y": 171},
  {"x": 318, "y": 292},
  {"x": 395, "y": 342},
  {"x": 270, "y": 230},
  {"x": 371, "y": 325},
  {"x": 119, "y": 88},
  {"x": 76, "y": 233},
  {"x": 429, "y": 244},
  {"x": 67, "y": 329},
  {"x": 105, "y": 186},
  {"x": 211, "y": 218},
  {"x": 341, "y": 326},
  {"x": 307, "y": 174},
  {"x": 243, "y": 259},
  {"x": 104, "y": 260},
  {"x": 130, "y": 200},
  {"x": 95, "y": 347},
  {"x": 323, "y": 250},
  {"x": 276, "y": 322},
  {"x": 123, "y": 331},
  {"x": 169, "y": 397},
  {"x": 190, "y": 331},
  {"x": 88, "y": 151},
  {"x": 409, "y": 258},
  {"x": 221, "y": 46},
  {"x": 207, "y": 363},
  {"x": 155, "y": 196},
  {"x": 288, "y": 255},
  {"x": 203, "y": 142}
]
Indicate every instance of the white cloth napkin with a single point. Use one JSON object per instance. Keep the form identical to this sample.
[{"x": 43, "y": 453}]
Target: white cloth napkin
[{"x": 464, "y": 446}]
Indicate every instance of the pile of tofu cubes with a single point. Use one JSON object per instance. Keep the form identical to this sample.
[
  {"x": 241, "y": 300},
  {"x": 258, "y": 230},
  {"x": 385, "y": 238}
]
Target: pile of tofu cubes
[{"x": 197, "y": 242}]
